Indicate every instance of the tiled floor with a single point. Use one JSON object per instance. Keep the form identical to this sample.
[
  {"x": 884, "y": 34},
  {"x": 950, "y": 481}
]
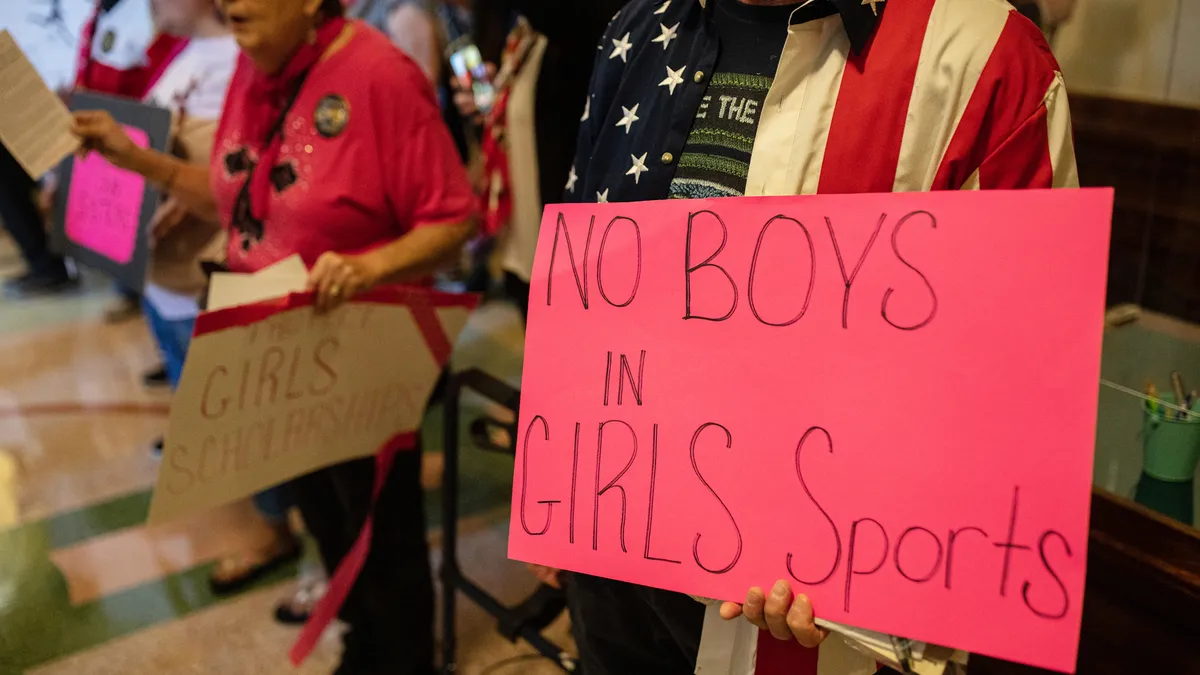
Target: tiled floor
[
  {"x": 234, "y": 638},
  {"x": 86, "y": 587}
]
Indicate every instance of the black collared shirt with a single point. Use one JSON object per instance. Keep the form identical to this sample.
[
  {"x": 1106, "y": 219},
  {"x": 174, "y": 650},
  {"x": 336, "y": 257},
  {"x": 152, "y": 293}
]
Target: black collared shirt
[{"x": 653, "y": 67}]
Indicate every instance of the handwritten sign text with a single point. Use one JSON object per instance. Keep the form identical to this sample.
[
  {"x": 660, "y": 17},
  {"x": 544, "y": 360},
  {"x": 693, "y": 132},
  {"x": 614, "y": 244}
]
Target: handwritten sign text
[{"x": 887, "y": 400}]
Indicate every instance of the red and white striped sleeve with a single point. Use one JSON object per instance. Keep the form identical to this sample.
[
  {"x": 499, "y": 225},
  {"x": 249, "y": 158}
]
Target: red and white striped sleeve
[
  {"x": 1039, "y": 153},
  {"x": 1036, "y": 148},
  {"x": 1016, "y": 130}
]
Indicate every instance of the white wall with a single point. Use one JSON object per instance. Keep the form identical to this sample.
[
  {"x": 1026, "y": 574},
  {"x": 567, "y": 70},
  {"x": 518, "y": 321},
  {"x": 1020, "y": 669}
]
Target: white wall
[
  {"x": 1141, "y": 49},
  {"x": 51, "y": 49},
  {"x": 1185, "y": 80}
]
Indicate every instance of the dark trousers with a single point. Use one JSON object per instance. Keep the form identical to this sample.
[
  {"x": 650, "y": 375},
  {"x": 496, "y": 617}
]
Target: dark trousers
[
  {"x": 390, "y": 608},
  {"x": 517, "y": 290},
  {"x": 622, "y": 629},
  {"x": 19, "y": 211}
]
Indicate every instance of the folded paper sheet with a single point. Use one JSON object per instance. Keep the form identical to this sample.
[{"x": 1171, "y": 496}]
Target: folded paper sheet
[
  {"x": 283, "y": 278},
  {"x": 35, "y": 126},
  {"x": 889, "y": 400}
]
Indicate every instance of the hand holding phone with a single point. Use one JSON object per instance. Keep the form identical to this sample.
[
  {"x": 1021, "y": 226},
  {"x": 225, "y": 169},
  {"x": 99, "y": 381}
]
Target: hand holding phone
[{"x": 473, "y": 75}]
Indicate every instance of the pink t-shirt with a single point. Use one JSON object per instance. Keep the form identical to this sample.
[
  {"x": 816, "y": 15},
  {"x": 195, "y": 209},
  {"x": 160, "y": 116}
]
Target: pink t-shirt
[{"x": 365, "y": 159}]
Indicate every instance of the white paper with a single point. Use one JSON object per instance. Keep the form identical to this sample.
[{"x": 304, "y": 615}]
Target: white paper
[
  {"x": 726, "y": 647},
  {"x": 291, "y": 267},
  {"x": 731, "y": 648},
  {"x": 231, "y": 290},
  {"x": 34, "y": 123},
  {"x": 926, "y": 659},
  {"x": 838, "y": 657},
  {"x": 873, "y": 639}
]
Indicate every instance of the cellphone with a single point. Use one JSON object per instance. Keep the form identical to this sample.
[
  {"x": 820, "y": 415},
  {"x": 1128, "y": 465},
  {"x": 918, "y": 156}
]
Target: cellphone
[{"x": 467, "y": 63}]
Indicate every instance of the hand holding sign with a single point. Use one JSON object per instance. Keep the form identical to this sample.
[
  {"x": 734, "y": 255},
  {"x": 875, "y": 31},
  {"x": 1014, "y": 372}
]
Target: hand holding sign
[
  {"x": 835, "y": 391},
  {"x": 104, "y": 205},
  {"x": 97, "y": 131},
  {"x": 105, "y": 210},
  {"x": 782, "y": 614},
  {"x": 337, "y": 278}
]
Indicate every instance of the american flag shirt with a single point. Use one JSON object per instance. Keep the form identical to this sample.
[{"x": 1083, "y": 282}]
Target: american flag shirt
[{"x": 881, "y": 96}]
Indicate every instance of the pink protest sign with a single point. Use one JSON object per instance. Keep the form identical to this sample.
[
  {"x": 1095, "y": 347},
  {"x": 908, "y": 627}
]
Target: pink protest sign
[
  {"x": 888, "y": 400},
  {"x": 104, "y": 204}
]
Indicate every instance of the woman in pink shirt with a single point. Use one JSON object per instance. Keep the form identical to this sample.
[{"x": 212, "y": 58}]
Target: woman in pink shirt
[{"x": 331, "y": 146}]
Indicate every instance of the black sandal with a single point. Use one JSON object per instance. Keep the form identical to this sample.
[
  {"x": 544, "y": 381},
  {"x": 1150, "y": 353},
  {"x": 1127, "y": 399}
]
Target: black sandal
[
  {"x": 253, "y": 573},
  {"x": 307, "y": 597}
]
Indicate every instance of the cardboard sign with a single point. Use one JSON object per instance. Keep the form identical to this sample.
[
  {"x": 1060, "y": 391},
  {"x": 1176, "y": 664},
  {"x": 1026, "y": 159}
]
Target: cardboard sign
[
  {"x": 102, "y": 213},
  {"x": 888, "y": 400},
  {"x": 273, "y": 390}
]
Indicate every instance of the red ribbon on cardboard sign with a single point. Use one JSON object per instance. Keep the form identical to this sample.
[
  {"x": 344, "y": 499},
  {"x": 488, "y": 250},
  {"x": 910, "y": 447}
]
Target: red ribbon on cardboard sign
[{"x": 423, "y": 306}]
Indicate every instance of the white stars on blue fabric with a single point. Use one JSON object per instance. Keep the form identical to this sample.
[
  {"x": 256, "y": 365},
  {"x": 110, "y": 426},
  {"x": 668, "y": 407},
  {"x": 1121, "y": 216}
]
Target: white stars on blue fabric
[
  {"x": 674, "y": 79},
  {"x": 572, "y": 178},
  {"x": 662, "y": 9},
  {"x": 668, "y": 34},
  {"x": 602, "y": 197},
  {"x": 587, "y": 109},
  {"x": 621, "y": 48},
  {"x": 629, "y": 118},
  {"x": 638, "y": 168}
]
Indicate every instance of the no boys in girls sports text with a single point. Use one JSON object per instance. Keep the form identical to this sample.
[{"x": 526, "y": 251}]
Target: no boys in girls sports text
[{"x": 847, "y": 392}]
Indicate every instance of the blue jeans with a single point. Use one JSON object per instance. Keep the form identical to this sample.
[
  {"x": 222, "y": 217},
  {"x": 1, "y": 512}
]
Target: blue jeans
[{"x": 173, "y": 337}]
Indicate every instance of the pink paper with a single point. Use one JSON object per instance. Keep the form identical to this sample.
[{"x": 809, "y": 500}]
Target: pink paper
[
  {"x": 104, "y": 204},
  {"x": 946, "y": 402}
]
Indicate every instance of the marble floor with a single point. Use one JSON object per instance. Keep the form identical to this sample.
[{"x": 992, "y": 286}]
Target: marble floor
[{"x": 87, "y": 587}]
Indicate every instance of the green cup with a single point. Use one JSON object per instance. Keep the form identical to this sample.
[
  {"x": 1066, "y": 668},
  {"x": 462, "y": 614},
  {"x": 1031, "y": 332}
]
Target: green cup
[{"x": 1171, "y": 445}]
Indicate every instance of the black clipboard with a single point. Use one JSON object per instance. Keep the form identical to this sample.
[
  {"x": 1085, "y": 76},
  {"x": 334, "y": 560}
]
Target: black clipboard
[{"x": 128, "y": 266}]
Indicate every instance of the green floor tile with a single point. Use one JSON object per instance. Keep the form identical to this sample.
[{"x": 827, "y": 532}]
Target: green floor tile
[{"x": 70, "y": 528}]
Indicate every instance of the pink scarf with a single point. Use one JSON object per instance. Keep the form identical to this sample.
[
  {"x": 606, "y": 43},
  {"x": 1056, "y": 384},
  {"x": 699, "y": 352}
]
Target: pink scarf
[{"x": 269, "y": 98}]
